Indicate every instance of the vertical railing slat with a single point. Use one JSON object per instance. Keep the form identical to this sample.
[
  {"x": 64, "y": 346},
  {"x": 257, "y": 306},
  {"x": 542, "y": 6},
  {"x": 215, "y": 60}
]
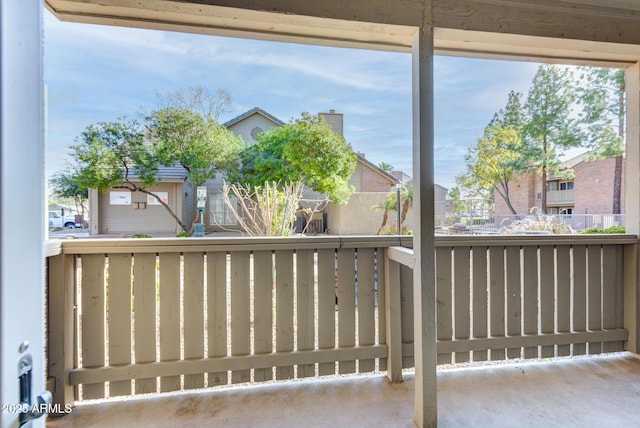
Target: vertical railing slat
[
  {"x": 514, "y": 298},
  {"x": 381, "y": 296},
  {"x": 169, "y": 316},
  {"x": 393, "y": 325},
  {"x": 119, "y": 296},
  {"x": 496, "y": 297},
  {"x": 444, "y": 326},
  {"x": 406, "y": 314},
  {"x": 366, "y": 305},
  {"x": 284, "y": 308},
  {"x": 547, "y": 305},
  {"x": 305, "y": 308},
  {"x": 217, "y": 313},
  {"x": 621, "y": 256},
  {"x": 240, "y": 316},
  {"x": 144, "y": 303},
  {"x": 193, "y": 314},
  {"x": 61, "y": 327},
  {"x": 93, "y": 320},
  {"x": 563, "y": 295},
  {"x": 579, "y": 295},
  {"x": 263, "y": 309},
  {"x": 480, "y": 298},
  {"x": 530, "y": 296},
  {"x": 594, "y": 293},
  {"x": 609, "y": 294},
  {"x": 326, "y": 306},
  {"x": 346, "y": 305},
  {"x": 462, "y": 296}
]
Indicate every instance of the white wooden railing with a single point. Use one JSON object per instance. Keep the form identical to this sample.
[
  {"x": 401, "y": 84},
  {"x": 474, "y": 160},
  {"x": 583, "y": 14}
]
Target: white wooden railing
[{"x": 139, "y": 316}]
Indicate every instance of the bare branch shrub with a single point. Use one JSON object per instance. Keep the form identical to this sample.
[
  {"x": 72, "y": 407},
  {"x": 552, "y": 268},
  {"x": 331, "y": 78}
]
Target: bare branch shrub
[{"x": 269, "y": 210}]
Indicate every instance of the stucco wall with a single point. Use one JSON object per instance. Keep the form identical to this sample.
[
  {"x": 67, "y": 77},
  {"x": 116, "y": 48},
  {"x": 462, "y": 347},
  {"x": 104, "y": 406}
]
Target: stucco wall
[
  {"x": 115, "y": 219},
  {"x": 357, "y": 217}
]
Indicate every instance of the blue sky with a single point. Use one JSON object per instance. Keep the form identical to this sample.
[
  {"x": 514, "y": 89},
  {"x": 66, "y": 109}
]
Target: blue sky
[{"x": 99, "y": 73}]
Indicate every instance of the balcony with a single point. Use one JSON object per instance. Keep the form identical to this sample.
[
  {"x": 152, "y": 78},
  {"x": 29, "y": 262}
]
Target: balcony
[
  {"x": 129, "y": 318},
  {"x": 560, "y": 198}
]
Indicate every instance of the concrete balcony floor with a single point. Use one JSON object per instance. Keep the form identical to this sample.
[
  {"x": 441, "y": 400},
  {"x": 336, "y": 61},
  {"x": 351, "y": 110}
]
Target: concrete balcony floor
[{"x": 600, "y": 391}]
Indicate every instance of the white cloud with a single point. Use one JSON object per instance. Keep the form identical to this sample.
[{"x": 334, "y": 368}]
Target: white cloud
[{"x": 98, "y": 73}]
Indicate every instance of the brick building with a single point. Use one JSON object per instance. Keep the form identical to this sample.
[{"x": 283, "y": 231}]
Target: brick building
[{"x": 590, "y": 191}]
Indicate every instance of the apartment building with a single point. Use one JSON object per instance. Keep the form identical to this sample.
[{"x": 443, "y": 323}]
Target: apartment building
[{"x": 589, "y": 190}]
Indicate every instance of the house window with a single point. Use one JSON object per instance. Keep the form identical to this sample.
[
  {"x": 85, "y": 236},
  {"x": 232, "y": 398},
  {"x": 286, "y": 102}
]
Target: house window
[
  {"x": 552, "y": 210},
  {"x": 538, "y": 191},
  {"x": 566, "y": 185},
  {"x": 552, "y": 186},
  {"x": 219, "y": 213}
]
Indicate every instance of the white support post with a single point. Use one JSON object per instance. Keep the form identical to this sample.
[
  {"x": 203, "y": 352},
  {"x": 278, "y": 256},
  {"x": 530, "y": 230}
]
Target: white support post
[
  {"x": 425, "y": 353},
  {"x": 632, "y": 204}
]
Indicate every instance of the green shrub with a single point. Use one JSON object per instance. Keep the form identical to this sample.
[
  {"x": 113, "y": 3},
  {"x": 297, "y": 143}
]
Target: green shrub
[
  {"x": 140, "y": 235},
  {"x": 182, "y": 234},
  {"x": 597, "y": 230}
]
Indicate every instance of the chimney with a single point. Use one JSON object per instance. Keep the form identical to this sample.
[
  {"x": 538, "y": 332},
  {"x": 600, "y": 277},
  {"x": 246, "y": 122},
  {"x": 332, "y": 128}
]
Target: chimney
[{"x": 335, "y": 120}]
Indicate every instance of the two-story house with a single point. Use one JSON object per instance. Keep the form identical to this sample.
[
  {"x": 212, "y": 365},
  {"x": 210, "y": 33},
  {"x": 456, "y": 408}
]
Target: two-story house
[{"x": 121, "y": 212}]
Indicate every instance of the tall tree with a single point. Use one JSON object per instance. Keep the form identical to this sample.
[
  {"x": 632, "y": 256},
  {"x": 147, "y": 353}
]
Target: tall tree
[
  {"x": 456, "y": 196},
  {"x": 198, "y": 99},
  {"x": 194, "y": 141},
  {"x": 603, "y": 99},
  {"x": 494, "y": 162},
  {"x": 305, "y": 150},
  {"x": 550, "y": 128},
  {"x": 512, "y": 115}
]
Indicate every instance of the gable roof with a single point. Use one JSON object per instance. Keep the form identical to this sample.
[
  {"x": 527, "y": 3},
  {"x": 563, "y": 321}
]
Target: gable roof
[
  {"x": 255, "y": 110},
  {"x": 175, "y": 173},
  {"x": 377, "y": 169}
]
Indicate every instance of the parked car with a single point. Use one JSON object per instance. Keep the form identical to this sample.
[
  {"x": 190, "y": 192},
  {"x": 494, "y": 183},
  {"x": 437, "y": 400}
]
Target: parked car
[{"x": 58, "y": 221}]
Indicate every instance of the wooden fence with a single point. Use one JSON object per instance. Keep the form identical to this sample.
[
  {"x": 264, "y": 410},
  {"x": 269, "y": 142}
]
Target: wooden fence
[
  {"x": 520, "y": 297},
  {"x": 140, "y": 316},
  {"x": 145, "y": 316}
]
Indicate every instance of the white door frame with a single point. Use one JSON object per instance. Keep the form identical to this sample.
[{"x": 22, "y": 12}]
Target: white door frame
[{"x": 21, "y": 201}]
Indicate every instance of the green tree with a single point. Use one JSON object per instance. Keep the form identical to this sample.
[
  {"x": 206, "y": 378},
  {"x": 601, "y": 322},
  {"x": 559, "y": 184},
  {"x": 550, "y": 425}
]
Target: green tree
[
  {"x": 127, "y": 155},
  {"x": 194, "y": 141},
  {"x": 602, "y": 95},
  {"x": 512, "y": 115},
  {"x": 385, "y": 166},
  {"x": 550, "y": 128},
  {"x": 459, "y": 205},
  {"x": 305, "y": 150},
  {"x": 65, "y": 185},
  {"x": 493, "y": 163},
  {"x": 390, "y": 203}
]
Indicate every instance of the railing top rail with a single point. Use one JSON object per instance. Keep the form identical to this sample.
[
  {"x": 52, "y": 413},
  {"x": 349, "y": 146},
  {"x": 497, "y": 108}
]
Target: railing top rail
[
  {"x": 165, "y": 245},
  {"x": 521, "y": 240},
  {"x": 52, "y": 247}
]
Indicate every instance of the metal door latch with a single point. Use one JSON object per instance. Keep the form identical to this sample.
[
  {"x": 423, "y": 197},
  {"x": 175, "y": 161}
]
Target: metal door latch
[{"x": 30, "y": 411}]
